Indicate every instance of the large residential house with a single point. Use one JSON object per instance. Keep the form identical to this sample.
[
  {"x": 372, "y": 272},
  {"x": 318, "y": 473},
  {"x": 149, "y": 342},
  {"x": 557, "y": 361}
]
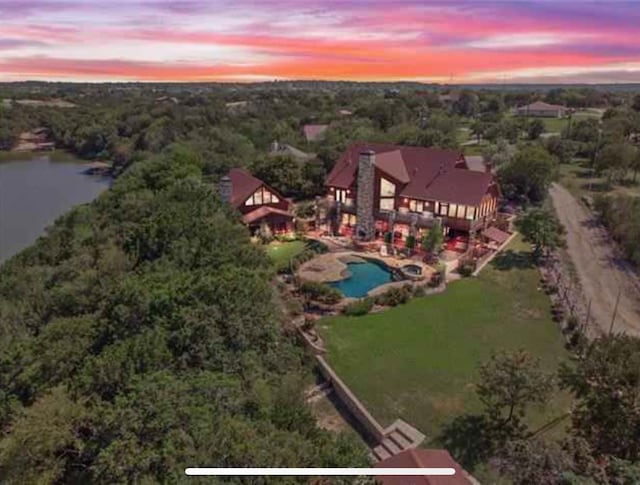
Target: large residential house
[
  {"x": 540, "y": 109},
  {"x": 256, "y": 201},
  {"x": 374, "y": 187}
]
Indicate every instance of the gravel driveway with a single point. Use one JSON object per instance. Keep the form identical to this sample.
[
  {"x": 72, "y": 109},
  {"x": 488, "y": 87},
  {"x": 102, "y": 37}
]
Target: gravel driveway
[{"x": 603, "y": 273}]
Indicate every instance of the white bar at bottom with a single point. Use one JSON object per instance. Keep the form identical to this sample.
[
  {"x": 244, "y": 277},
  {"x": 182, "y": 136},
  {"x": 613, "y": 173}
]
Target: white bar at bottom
[{"x": 320, "y": 471}]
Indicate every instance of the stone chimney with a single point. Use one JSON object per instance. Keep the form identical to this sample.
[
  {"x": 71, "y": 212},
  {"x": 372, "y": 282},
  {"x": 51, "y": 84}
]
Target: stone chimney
[
  {"x": 226, "y": 189},
  {"x": 365, "y": 224}
]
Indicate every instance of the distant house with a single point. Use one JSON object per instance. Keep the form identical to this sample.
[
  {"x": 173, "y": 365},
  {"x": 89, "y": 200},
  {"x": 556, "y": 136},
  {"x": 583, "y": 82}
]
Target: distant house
[
  {"x": 345, "y": 112},
  {"x": 477, "y": 163},
  {"x": 235, "y": 107},
  {"x": 291, "y": 151},
  {"x": 256, "y": 201},
  {"x": 413, "y": 186},
  {"x": 420, "y": 458},
  {"x": 540, "y": 109},
  {"x": 314, "y": 132},
  {"x": 449, "y": 98}
]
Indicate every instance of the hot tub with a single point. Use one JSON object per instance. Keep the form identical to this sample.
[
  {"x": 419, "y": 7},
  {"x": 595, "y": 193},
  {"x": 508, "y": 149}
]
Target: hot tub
[{"x": 412, "y": 271}]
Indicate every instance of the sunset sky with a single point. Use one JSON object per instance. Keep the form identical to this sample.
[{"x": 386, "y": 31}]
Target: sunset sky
[{"x": 247, "y": 40}]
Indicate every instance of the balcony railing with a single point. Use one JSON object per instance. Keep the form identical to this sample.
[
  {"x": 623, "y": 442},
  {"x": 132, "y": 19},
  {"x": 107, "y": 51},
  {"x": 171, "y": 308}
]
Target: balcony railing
[{"x": 423, "y": 219}]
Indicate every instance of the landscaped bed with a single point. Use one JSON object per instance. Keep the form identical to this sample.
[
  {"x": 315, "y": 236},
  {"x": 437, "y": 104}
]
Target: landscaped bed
[{"x": 419, "y": 361}]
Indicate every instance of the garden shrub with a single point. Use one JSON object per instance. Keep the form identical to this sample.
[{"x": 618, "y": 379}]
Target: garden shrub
[
  {"x": 467, "y": 267},
  {"x": 320, "y": 292},
  {"x": 419, "y": 291},
  {"x": 395, "y": 296},
  {"x": 359, "y": 307},
  {"x": 410, "y": 243}
]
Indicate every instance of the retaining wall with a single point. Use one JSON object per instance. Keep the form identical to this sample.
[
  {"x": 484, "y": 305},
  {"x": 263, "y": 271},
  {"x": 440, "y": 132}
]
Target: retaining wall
[{"x": 375, "y": 431}]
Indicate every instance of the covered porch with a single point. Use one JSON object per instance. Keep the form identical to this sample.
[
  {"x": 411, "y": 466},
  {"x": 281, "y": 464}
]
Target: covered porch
[{"x": 278, "y": 220}]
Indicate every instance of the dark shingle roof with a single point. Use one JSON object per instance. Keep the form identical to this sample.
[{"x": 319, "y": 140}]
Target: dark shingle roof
[
  {"x": 459, "y": 186},
  {"x": 243, "y": 184},
  {"x": 420, "y": 458},
  {"x": 428, "y": 173}
]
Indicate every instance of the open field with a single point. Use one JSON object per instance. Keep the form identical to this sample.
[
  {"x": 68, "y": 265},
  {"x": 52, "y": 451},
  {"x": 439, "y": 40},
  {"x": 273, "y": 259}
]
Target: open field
[{"x": 419, "y": 361}]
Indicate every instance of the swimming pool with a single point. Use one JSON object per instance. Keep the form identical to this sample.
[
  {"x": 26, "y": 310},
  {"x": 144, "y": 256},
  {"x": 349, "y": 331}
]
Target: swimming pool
[{"x": 364, "y": 277}]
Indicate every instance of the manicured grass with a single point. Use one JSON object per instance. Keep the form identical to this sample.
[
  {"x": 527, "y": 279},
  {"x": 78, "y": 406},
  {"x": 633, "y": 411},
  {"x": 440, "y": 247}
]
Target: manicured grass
[
  {"x": 419, "y": 361},
  {"x": 554, "y": 125},
  {"x": 282, "y": 252}
]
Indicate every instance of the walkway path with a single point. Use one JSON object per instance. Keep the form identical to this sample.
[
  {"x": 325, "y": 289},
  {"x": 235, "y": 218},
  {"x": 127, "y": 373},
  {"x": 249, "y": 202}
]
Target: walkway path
[{"x": 603, "y": 273}]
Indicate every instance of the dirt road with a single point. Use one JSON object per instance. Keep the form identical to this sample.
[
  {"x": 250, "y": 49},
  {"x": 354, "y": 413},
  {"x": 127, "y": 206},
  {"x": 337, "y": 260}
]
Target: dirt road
[{"x": 603, "y": 273}]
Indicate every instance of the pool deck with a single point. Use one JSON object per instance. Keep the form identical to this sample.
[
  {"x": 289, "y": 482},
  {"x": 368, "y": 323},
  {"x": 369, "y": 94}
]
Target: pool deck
[{"x": 331, "y": 267}]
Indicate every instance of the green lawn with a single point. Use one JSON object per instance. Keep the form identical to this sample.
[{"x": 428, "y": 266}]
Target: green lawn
[
  {"x": 554, "y": 125},
  {"x": 419, "y": 361},
  {"x": 282, "y": 252}
]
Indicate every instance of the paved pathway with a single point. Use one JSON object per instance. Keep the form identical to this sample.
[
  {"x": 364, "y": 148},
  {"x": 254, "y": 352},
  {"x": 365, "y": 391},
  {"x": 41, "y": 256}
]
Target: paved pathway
[{"x": 603, "y": 273}]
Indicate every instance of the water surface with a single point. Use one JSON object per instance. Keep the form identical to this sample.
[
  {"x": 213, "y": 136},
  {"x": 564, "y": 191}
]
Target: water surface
[
  {"x": 364, "y": 278},
  {"x": 34, "y": 190}
]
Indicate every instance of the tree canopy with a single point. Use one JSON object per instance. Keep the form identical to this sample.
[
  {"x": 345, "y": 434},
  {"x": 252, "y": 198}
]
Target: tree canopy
[{"x": 140, "y": 336}]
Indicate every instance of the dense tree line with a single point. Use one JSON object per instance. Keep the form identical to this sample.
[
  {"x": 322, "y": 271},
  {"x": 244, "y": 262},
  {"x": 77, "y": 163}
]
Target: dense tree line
[
  {"x": 621, "y": 215},
  {"x": 139, "y": 337}
]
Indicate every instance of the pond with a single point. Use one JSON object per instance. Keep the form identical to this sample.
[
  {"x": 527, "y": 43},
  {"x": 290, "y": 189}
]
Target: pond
[
  {"x": 364, "y": 277},
  {"x": 37, "y": 188}
]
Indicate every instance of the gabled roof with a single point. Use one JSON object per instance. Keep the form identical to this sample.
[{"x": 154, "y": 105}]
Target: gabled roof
[
  {"x": 243, "y": 184},
  {"x": 542, "y": 106},
  {"x": 420, "y": 458},
  {"x": 421, "y": 164},
  {"x": 264, "y": 211},
  {"x": 314, "y": 132},
  {"x": 459, "y": 186},
  {"x": 393, "y": 164}
]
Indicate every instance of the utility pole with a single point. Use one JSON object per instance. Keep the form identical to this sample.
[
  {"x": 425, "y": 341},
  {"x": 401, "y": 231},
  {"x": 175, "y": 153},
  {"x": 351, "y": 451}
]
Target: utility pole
[
  {"x": 595, "y": 154},
  {"x": 586, "y": 322},
  {"x": 615, "y": 311}
]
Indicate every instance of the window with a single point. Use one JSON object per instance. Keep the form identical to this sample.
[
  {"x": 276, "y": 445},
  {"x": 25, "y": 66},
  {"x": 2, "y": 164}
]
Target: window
[
  {"x": 471, "y": 213},
  {"x": 387, "y": 189},
  {"x": 386, "y": 204},
  {"x": 416, "y": 205},
  {"x": 461, "y": 211},
  {"x": 387, "y": 195},
  {"x": 341, "y": 195},
  {"x": 262, "y": 196},
  {"x": 348, "y": 220},
  {"x": 452, "y": 210},
  {"x": 443, "y": 209}
]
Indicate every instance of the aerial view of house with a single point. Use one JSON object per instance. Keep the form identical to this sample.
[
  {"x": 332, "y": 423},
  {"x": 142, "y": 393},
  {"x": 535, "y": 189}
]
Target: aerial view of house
[
  {"x": 304, "y": 242},
  {"x": 414, "y": 186}
]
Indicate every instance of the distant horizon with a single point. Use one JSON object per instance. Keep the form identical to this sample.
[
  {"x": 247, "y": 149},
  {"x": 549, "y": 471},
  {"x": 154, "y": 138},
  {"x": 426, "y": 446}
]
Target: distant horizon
[
  {"x": 454, "y": 42},
  {"x": 274, "y": 81}
]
